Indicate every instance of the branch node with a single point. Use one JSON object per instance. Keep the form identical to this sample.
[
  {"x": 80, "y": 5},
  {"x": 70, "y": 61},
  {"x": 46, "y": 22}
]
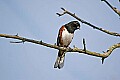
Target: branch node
[
  {"x": 74, "y": 46},
  {"x": 16, "y": 34},
  {"x": 114, "y": 8},
  {"x": 55, "y": 44},
  {"x": 70, "y": 49},
  {"x": 23, "y": 41},
  {"x": 41, "y": 41},
  {"x": 74, "y": 14},
  {"x": 60, "y": 14},
  {"x": 82, "y": 21},
  {"x": 107, "y": 50}
]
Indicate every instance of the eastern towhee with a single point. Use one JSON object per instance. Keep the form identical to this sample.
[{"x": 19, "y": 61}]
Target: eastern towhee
[{"x": 65, "y": 36}]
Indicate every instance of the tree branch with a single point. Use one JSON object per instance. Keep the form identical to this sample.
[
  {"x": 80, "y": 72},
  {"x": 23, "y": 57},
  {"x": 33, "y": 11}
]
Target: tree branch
[
  {"x": 113, "y": 8},
  {"x": 87, "y": 23},
  {"x": 75, "y": 49}
]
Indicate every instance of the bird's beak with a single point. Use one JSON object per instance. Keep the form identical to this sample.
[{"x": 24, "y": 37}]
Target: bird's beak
[{"x": 78, "y": 27}]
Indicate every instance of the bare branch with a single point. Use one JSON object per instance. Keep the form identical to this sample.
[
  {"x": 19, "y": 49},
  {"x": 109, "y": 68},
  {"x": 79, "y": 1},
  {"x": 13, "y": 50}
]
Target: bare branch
[
  {"x": 84, "y": 44},
  {"x": 87, "y": 23},
  {"x": 75, "y": 49},
  {"x": 113, "y": 8}
]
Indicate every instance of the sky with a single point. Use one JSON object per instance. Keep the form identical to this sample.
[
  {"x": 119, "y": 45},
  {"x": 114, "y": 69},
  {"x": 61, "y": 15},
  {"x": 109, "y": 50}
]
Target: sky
[{"x": 37, "y": 19}]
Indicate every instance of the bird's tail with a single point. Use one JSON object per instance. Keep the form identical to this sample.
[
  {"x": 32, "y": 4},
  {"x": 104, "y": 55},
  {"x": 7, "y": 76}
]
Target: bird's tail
[{"x": 60, "y": 60}]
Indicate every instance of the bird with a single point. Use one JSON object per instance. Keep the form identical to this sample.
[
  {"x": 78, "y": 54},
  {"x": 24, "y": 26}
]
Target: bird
[{"x": 65, "y": 36}]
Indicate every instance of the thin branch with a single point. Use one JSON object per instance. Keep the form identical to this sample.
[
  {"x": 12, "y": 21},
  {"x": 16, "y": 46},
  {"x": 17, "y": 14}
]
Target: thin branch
[
  {"x": 16, "y": 42},
  {"x": 103, "y": 60},
  {"x": 75, "y": 49},
  {"x": 84, "y": 44},
  {"x": 113, "y": 8},
  {"x": 87, "y": 23}
]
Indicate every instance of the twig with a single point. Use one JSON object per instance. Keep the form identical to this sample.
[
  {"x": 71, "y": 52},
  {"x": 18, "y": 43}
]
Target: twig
[
  {"x": 16, "y": 42},
  {"x": 87, "y": 23},
  {"x": 113, "y": 8},
  {"x": 103, "y": 60},
  {"x": 84, "y": 44}
]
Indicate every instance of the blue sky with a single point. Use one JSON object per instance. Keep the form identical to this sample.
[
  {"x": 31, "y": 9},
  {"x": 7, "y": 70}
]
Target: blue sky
[{"x": 37, "y": 19}]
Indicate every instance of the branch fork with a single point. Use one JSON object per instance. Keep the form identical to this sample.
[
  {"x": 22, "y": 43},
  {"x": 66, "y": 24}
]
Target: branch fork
[
  {"x": 75, "y": 49},
  {"x": 87, "y": 23}
]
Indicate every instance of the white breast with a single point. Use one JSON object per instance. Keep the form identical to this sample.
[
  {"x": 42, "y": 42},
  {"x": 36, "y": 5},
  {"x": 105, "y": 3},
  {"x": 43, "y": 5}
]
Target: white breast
[{"x": 66, "y": 37}]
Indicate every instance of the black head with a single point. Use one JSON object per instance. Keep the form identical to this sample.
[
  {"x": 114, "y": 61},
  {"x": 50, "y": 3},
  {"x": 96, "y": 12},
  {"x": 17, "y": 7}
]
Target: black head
[{"x": 72, "y": 26}]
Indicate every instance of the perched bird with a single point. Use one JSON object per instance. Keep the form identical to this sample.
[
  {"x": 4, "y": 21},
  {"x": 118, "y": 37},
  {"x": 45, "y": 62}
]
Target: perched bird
[{"x": 65, "y": 36}]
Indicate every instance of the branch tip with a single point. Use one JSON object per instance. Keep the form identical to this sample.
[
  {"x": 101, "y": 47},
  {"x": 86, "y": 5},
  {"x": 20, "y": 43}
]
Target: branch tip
[
  {"x": 59, "y": 14},
  {"x": 83, "y": 40},
  {"x": 103, "y": 60},
  {"x": 63, "y": 9}
]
